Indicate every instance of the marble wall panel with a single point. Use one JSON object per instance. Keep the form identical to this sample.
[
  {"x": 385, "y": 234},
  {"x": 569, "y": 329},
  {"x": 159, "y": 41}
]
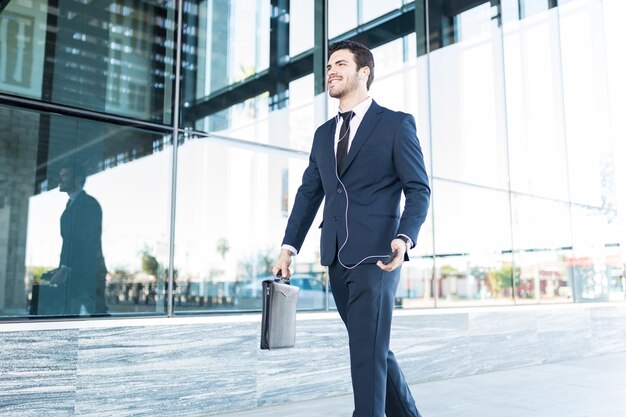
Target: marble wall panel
[
  {"x": 557, "y": 319},
  {"x": 493, "y": 352},
  {"x": 318, "y": 366},
  {"x": 188, "y": 370},
  {"x": 608, "y": 329},
  {"x": 496, "y": 321},
  {"x": 432, "y": 346},
  {"x": 563, "y": 333},
  {"x": 559, "y": 346},
  {"x": 38, "y": 373},
  {"x": 211, "y": 368},
  {"x": 502, "y": 339}
]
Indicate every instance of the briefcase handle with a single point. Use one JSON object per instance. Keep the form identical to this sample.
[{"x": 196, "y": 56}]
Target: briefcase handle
[{"x": 279, "y": 278}]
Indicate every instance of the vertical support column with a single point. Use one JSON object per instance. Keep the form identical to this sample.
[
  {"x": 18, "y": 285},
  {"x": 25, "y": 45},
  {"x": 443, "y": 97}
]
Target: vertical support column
[
  {"x": 421, "y": 26},
  {"x": 320, "y": 50},
  {"x": 175, "y": 134},
  {"x": 189, "y": 55},
  {"x": 503, "y": 123},
  {"x": 441, "y": 25},
  {"x": 425, "y": 6},
  {"x": 18, "y": 147},
  {"x": 320, "y": 58},
  {"x": 159, "y": 68},
  {"x": 279, "y": 53}
]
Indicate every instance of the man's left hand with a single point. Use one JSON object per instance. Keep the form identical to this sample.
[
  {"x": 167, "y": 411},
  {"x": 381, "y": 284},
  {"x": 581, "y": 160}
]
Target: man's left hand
[{"x": 396, "y": 245}]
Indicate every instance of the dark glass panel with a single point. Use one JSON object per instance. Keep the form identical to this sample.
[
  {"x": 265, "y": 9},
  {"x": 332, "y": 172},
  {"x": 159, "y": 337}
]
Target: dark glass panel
[
  {"x": 108, "y": 56},
  {"x": 83, "y": 216}
]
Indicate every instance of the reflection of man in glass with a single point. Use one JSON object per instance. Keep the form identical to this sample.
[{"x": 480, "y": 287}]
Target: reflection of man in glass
[{"x": 81, "y": 268}]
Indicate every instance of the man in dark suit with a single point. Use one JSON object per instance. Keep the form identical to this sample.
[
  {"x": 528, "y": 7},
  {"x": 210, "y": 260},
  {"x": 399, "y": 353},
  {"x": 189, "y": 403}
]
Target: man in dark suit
[
  {"x": 361, "y": 161},
  {"x": 81, "y": 271}
]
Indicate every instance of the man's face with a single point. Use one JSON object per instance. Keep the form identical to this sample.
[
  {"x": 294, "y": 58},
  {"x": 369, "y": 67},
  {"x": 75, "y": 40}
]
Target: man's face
[
  {"x": 342, "y": 74},
  {"x": 67, "y": 182}
]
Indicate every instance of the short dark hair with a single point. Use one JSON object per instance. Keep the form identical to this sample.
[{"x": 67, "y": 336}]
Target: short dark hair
[
  {"x": 362, "y": 56},
  {"x": 78, "y": 170}
]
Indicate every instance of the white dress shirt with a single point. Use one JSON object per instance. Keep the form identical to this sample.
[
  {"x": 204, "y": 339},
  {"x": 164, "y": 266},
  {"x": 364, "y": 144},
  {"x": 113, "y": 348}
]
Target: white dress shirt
[{"x": 355, "y": 121}]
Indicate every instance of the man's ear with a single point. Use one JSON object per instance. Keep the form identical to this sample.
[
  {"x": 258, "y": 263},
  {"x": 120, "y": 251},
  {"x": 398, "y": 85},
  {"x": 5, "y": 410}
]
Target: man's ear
[{"x": 365, "y": 73}]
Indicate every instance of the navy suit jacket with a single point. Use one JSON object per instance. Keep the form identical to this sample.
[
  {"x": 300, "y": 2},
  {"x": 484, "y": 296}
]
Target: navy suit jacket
[
  {"x": 384, "y": 160},
  {"x": 81, "y": 229}
]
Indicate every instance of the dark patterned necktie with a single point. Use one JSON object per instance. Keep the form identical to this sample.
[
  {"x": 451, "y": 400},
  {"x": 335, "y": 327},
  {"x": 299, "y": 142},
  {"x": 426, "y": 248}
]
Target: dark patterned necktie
[{"x": 344, "y": 138}]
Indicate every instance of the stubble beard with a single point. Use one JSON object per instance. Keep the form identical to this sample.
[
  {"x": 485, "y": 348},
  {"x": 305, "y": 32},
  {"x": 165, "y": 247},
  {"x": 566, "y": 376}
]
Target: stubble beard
[{"x": 351, "y": 87}]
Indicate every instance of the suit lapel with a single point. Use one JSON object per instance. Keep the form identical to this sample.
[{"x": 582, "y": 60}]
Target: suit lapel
[
  {"x": 370, "y": 120},
  {"x": 71, "y": 206},
  {"x": 328, "y": 143}
]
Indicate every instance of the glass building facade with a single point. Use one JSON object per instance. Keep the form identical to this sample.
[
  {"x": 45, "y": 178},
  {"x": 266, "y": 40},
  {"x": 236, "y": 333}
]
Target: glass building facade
[{"x": 187, "y": 125}]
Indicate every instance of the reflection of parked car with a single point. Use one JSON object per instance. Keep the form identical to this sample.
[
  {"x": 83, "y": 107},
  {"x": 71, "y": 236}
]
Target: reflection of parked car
[{"x": 248, "y": 294}]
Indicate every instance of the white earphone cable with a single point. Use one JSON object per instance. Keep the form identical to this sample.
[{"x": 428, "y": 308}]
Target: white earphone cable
[{"x": 345, "y": 191}]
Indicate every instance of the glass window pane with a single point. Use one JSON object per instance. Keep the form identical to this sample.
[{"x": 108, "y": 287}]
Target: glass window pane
[
  {"x": 233, "y": 43},
  {"x": 84, "y": 216},
  {"x": 594, "y": 267},
  {"x": 375, "y": 8},
  {"x": 225, "y": 250},
  {"x": 252, "y": 121},
  {"x": 531, "y": 7},
  {"x": 472, "y": 245},
  {"x": 388, "y": 58},
  {"x": 587, "y": 111},
  {"x": 394, "y": 75},
  {"x": 510, "y": 10},
  {"x": 534, "y": 100},
  {"x": 342, "y": 16},
  {"x": 416, "y": 289},
  {"x": 301, "y": 113},
  {"x": 301, "y": 29},
  {"x": 472, "y": 23},
  {"x": 113, "y": 57},
  {"x": 615, "y": 30},
  {"x": 543, "y": 240},
  {"x": 452, "y": 21},
  {"x": 466, "y": 91},
  {"x": 246, "y": 120}
]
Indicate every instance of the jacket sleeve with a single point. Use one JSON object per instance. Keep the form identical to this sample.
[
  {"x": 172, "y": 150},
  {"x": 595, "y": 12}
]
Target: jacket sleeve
[
  {"x": 307, "y": 202},
  {"x": 409, "y": 163}
]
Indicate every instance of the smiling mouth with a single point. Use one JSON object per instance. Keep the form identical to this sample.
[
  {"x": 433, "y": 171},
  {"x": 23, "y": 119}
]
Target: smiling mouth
[{"x": 333, "y": 81}]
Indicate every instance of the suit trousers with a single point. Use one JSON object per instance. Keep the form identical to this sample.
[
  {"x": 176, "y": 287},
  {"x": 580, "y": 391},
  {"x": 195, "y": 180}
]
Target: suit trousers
[{"x": 365, "y": 299}]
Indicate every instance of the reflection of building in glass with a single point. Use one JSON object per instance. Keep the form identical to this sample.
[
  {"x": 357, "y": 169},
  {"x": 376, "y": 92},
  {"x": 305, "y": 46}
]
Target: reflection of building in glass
[
  {"x": 21, "y": 52},
  {"x": 501, "y": 95},
  {"x": 16, "y": 52}
]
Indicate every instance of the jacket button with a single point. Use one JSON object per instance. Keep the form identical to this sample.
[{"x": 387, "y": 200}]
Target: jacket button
[{"x": 339, "y": 190}]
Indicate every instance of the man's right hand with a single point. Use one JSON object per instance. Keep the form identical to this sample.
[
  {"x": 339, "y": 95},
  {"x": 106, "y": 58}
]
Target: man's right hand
[
  {"x": 282, "y": 265},
  {"x": 60, "y": 276}
]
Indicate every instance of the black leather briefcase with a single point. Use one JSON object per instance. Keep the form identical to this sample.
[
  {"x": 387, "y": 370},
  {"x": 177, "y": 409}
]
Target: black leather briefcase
[
  {"x": 278, "y": 322},
  {"x": 48, "y": 300}
]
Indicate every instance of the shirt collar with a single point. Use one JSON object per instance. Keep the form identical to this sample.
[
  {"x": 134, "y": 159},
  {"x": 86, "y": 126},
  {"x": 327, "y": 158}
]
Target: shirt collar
[
  {"x": 361, "y": 108},
  {"x": 74, "y": 195}
]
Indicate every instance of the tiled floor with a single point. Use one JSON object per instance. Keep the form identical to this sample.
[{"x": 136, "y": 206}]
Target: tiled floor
[{"x": 589, "y": 387}]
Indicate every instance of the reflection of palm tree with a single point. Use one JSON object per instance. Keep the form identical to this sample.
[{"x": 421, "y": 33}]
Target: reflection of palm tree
[
  {"x": 149, "y": 264},
  {"x": 223, "y": 247}
]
